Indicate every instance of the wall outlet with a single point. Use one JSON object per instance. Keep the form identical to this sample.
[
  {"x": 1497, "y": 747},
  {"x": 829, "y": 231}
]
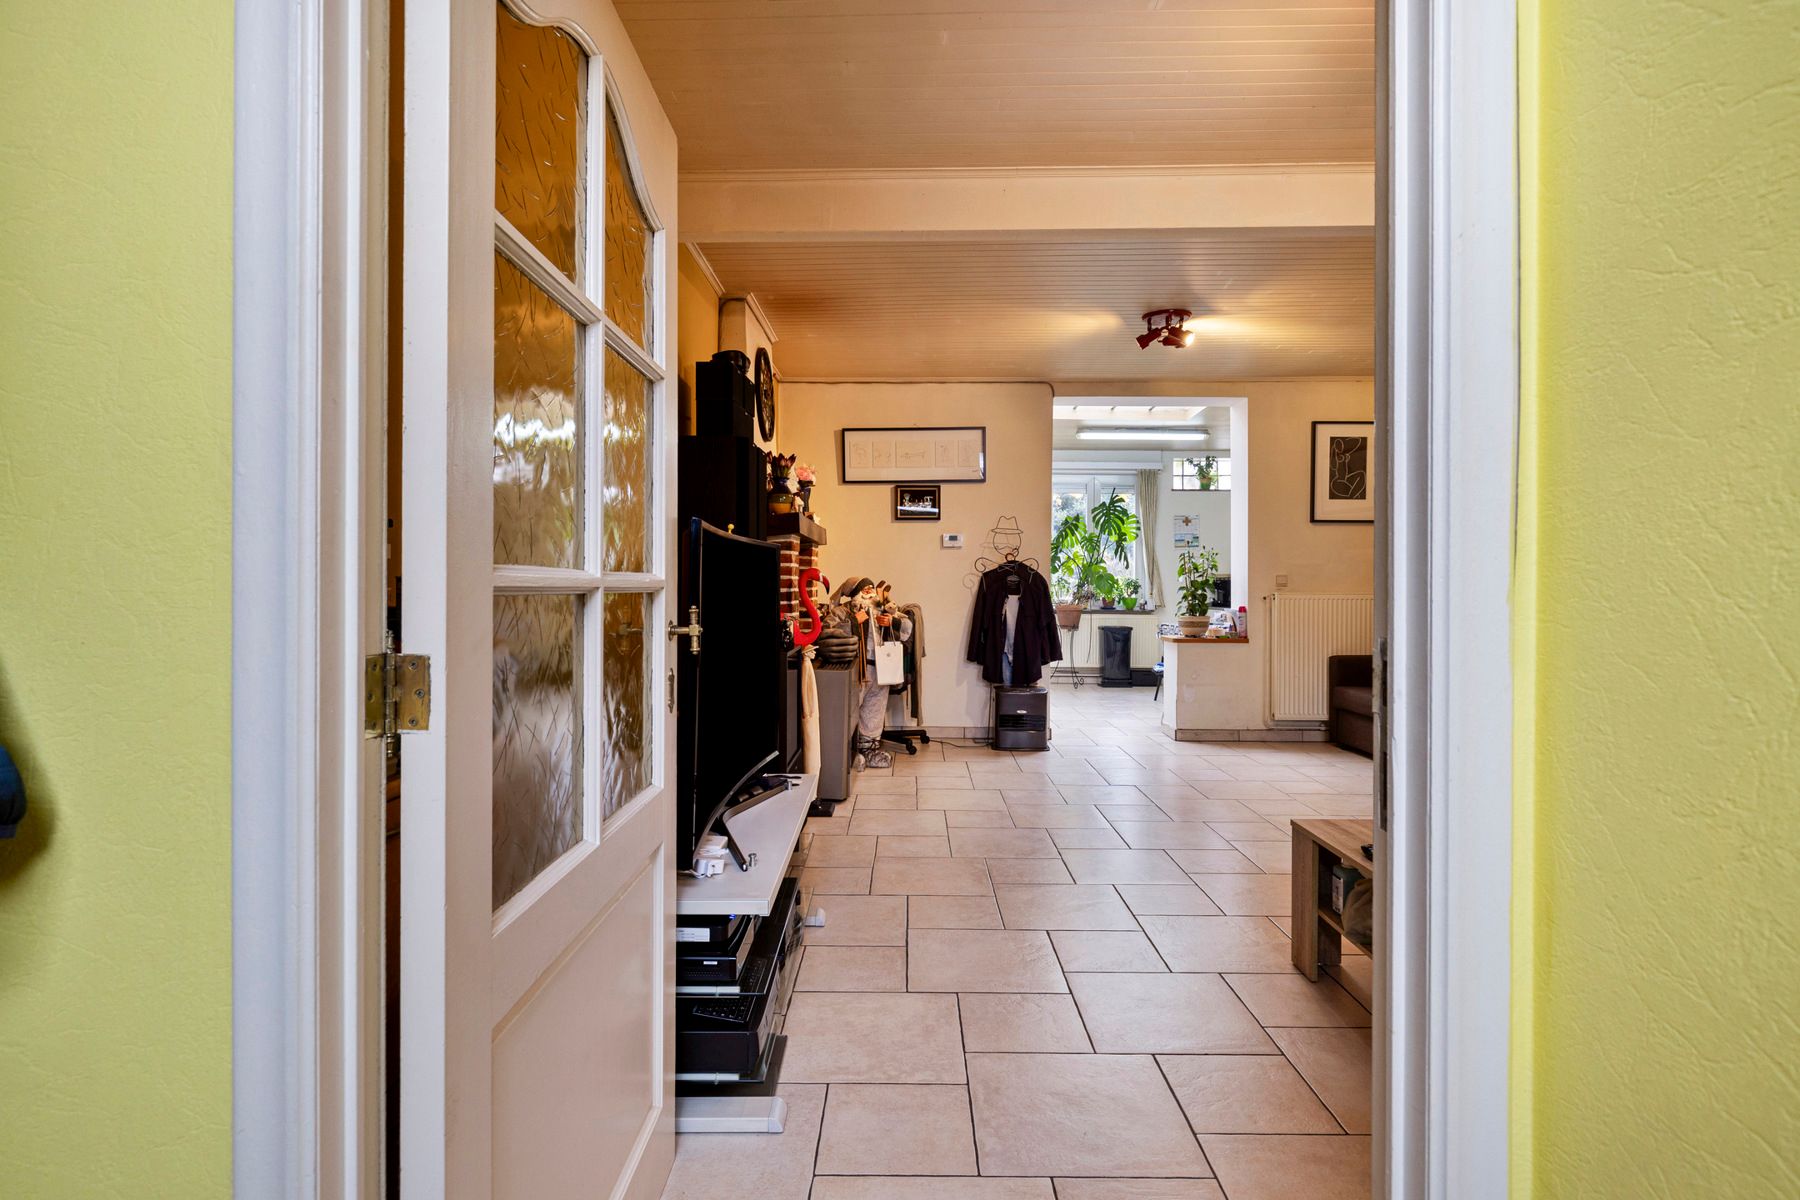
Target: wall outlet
[
  {"x": 952, "y": 541},
  {"x": 1280, "y": 582}
]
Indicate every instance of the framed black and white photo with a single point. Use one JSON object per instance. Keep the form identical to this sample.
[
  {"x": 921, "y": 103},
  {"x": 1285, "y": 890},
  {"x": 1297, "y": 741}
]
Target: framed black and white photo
[
  {"x": 953, "y": 454},
  {"x": 1343, "y": 472},
  {"x": 918, "y": 502}
]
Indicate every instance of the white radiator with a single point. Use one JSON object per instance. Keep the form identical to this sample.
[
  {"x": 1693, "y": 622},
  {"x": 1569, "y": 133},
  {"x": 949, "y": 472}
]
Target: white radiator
[{"x": 1304, "y": 631}]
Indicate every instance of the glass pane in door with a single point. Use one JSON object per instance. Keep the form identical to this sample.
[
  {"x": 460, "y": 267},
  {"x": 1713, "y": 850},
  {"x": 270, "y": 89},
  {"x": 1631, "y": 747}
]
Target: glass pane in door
[
  {"x": 538, "y": 117},
  {"x": 625, "y": 761},
  {"x": 629, "y": 241},
  {"x": 537, "y": 736},
  {"x": 537, "y": 444},
  {"x": 625, "y": 500}
]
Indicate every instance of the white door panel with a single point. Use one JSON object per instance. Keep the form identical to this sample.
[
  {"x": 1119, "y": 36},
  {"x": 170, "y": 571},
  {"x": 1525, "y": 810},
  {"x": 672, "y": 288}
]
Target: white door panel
[{"x": 537, "y": 923}]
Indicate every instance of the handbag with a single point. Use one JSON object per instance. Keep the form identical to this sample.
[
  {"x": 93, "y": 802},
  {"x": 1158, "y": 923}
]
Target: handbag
[{"x": 890, "y": 663}]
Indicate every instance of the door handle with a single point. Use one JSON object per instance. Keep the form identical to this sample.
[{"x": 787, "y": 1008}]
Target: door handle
[{"x": 691, "y": 630}]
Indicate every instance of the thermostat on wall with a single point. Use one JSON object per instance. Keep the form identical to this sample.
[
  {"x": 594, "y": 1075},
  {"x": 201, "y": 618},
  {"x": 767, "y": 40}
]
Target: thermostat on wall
[{"x": 953, "y": 541}]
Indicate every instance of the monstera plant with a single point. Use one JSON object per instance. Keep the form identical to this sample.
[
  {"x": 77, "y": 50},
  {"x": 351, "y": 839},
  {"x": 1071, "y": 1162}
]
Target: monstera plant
[{"x": 1080, "y": 551}]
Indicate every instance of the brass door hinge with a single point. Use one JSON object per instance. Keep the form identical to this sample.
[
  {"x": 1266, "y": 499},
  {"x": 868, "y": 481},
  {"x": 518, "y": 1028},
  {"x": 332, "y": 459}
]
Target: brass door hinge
[{"x": 396, "y": 693}]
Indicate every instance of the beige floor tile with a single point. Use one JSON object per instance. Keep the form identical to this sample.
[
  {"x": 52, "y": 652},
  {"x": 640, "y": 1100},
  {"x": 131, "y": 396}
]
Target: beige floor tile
[
  {"x": 1274, "y": 858},
  {"x": 956, "y": 818},
  {"x": 1260, "y": 1167},
  {"x": 923, "y": 824},
  {"x": 1216, "y": 862},
  {"x": 1122, "y": 866},
  {"x": 1280, "y": 808},
  {"x": 1294, "y": 1001},
  {"x": 1022, "y": 1024},
  {"x": 829, "y": 825},
  {"x": 1001, "y": 843},
  {"x": 976, "y": 799},
  {"x": 1022, "y": 783},
  {"x": 1137, "y": 1189},
  {"x": 1250, "y": 895},
  {"x": 1357, "y": 808},
  {"x": 1258, "y": 830},
  {"x": 1166, "y": 1014},
  {"x": 853, "y": 969},
  {"x": 1077, "y": 793},
  {"x": 1105, "y": 950},
  {"x": 1057, "y": 816},
  {"x": 776, "y": 1166},
  {"x": 836, "y": 881},
  {"x": 1336, "y": 1062},
  {"x": 1107, "y": 1116},
  {"x": 924, "y": 767},
  {"x": 1219, "y": 943},
  {"x": 1170, "y": 835},
  {"x": 1357, "y": 970},
  {"x": 891, "y": 1187},
  {"x": 859, "y": 921},
  {"x": 952, "y": 912},
  {"x": 930, "y": 877},
  {"x": 885, "y": 802},
  {"x": 903, "y": 845},
  {"x": 1250, "y": 768},
  {"x": 1237, "y": 789},
  {"x": 1167, "y": 899},
  {"x": 897, "y": 1129},
  {"x": 840, "y": 851},
  {"x": 1245, "y": 1093},
  {"x": 1086, "y": 839},
  {"x": 982, "y": 960},
  {"x": 867, "y": 785},
  {"x": 1116, "y": 813},
  {"x": 1027, "y": 870},
  {"x": 1203, "y": 809},
  {"x": 873, "y": 1037},
  {"x": 1062, "y": 906}
]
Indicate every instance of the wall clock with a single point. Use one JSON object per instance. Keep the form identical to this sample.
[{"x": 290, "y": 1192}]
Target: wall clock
[{"x": 765, "y": 395}]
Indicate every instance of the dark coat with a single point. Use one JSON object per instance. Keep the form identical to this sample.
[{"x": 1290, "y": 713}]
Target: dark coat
[{"x": 1035, "y": 640}]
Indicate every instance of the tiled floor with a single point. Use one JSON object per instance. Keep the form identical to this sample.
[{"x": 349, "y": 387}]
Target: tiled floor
[{"x": 1064, "y": 976}]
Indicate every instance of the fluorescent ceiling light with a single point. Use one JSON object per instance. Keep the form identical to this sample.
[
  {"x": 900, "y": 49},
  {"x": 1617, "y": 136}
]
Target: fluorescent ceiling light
[{"x": 1141, "y": 435}]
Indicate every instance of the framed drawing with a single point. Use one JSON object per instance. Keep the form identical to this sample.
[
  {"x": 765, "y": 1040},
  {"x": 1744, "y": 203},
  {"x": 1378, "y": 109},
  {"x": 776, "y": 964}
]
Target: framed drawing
[
  {"x": 953, "y": 454},
  {"x": 1343, "y": 472},
  {"x": 918, "y": 502}
]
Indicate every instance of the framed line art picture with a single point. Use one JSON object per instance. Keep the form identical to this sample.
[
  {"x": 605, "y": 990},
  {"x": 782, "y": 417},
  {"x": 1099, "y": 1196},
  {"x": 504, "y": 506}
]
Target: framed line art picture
[
  {"x": 952, "y": 454},
  {"x": 1343, "y": 472},
  {"x": 918, "y": 502}
]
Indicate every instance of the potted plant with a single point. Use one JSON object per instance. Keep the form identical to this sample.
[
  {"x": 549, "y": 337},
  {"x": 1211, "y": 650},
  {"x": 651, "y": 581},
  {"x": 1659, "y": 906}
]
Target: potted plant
[
  {"x": 1128, "y": 593},
  {"x": 1207, "y": 469},
  {"x": 1107, "y": 585},
  {"x": 1195, "y": 574}
]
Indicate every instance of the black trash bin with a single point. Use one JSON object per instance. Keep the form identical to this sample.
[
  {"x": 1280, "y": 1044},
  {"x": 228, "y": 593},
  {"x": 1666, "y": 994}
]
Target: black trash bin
[{"x": 1115, "y": 656}]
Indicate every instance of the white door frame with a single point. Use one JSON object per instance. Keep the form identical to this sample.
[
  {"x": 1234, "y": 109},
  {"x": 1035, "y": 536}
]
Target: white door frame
[
  {"x": 1447, "y": 393},
  {"x": 308, "y": 303},
  {"x": 308, "y": 317}
]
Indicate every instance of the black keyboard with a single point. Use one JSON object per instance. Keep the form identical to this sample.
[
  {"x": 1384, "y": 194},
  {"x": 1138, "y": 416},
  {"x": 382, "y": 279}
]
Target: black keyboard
[
  {"x": 754, "y": 979},
  {"x": 728, "y": 1010}
]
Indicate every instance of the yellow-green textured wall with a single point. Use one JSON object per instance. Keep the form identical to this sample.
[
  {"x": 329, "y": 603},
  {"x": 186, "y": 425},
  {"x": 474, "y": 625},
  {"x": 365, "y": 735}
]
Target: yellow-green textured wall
[
  {"x": 1662, "y": 257},
  {"x": 115, "y": 574}
]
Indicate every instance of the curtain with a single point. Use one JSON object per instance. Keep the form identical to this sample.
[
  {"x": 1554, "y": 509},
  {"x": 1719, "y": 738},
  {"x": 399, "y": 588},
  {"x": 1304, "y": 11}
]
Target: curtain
[{"x": 1149, "y": 492}]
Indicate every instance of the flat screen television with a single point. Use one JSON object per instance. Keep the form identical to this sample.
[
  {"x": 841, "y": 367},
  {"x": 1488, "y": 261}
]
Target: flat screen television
[{"x": 729, "y": 695}]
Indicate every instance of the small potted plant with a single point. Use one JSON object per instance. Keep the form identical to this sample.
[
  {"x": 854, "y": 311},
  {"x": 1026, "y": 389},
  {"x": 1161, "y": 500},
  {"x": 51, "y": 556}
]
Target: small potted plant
[
  {"x": 1106, "y": 586},
  {"x": 1128, "y": 593},
  {"x": 804, "y": 478},
  {"x": 1196, "y": 572}
]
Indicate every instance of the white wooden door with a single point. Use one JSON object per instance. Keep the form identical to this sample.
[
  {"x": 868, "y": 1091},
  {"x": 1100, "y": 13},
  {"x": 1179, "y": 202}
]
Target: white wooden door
[{"x": 537, "y": 886}]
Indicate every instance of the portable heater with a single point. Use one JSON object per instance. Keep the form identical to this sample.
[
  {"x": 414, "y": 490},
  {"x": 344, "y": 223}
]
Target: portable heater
[{"x": 1021, "y": 718}]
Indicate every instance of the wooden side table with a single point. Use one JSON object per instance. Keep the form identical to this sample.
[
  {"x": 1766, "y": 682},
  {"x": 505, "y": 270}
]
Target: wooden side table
[{"x": 1319, "y": 845}]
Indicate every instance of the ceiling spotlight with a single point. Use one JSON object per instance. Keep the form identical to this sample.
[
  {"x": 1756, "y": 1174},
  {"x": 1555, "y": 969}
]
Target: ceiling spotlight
[{"x": 1168, "y": 326}]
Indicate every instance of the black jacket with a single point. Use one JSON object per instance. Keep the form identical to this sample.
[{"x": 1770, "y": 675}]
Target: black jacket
[{"x": 1035, "y": 640}]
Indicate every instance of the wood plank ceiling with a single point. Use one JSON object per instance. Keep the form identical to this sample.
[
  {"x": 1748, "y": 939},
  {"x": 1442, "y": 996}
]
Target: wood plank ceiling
[{"x": 846, "y": 86}]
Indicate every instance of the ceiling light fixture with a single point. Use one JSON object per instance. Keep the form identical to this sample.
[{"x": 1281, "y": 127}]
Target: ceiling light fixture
[
  {"x": 1141, "y": 435},
  {"x": 1168, "y": 326}
]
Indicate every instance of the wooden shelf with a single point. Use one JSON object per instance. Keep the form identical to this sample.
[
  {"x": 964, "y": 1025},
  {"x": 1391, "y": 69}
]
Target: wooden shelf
[
  {"x": 1337, "y": 922},
  {"x": 799, "y": 525}
]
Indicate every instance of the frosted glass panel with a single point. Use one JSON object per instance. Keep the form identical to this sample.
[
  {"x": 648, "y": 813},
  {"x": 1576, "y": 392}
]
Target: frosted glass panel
[
  {"x": 628, "y": 245},
  {"x": 537, "y": 430},
  {"x": 625, "y": 674},
  {"x": 537, "y": 736},
  {"x": 625, "y": 501},
  {"x": 537, "y": 137}
]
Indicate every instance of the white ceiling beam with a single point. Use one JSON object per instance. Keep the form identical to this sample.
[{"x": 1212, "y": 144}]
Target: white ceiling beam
[{"x": 1035, "y": 205}]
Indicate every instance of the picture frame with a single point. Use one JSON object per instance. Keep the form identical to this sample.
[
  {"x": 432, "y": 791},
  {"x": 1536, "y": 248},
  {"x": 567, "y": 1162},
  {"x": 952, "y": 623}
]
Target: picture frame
[
  {"x": 918, "y": 502},
  {"x": 936, "y": 454},
  {"x": 1343, "y": 472}
]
